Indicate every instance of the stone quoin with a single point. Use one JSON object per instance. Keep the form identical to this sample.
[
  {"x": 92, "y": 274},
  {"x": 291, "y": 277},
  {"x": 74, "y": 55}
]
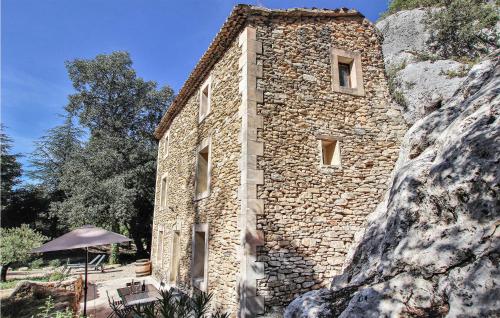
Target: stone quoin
[{"x": 275, "y": 150}]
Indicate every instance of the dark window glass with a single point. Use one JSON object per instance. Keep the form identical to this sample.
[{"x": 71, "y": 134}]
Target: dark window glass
[{"x": 345, "y": 75}]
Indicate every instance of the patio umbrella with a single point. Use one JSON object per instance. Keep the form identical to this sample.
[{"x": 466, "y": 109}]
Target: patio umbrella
[{"x": 83, "y": 237}]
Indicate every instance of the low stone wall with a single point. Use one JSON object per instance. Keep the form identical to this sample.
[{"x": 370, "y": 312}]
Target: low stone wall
[{"x": 66, "y": 293}]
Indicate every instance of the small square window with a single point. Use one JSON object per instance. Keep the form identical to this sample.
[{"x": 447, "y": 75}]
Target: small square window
[
  {"x": 203, "y": 170},
  {"x": 163, "y": 192},
  {"x": 330, "y": 152},
  {"x": 200, "y": 256},
  {"x": 205, "y": 96}
]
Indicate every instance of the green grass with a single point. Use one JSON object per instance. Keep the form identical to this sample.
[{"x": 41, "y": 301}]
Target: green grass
[
  {"x": 393, "y": 84},
  {"x": 55, "y": 276},
  {"x": 13, "y": 282},
  {"x": 460, "y": 72}
]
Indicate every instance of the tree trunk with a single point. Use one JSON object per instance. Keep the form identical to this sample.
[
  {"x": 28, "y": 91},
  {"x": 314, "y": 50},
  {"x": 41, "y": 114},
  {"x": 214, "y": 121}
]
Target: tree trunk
[
  {"x": 3, "y": 272},
  {"x": 137, "y": 231},
  {"x": 139, "y": 245},
  {"x": 114, "y": 255}
]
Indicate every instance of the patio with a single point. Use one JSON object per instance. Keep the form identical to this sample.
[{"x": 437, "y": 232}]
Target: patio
[{"x": 97, "y": 302}]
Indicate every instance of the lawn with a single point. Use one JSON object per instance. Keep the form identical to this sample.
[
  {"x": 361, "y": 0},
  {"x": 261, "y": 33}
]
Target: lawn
[{"x": 11, "y": 283}]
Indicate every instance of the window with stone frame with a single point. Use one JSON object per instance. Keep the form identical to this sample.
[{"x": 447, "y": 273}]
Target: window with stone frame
[
  {"x": 175, "y": 256},
  {"x": 330, "y": 152},
  {"x": 203, "y": 170},
  {"x": 205, "y": 97},
  {"x": 347, "y": 73},
  {"x": 163, "y": 191},
  {"x": 159, "y": 246},
  {"x": 199, "y": 266}
]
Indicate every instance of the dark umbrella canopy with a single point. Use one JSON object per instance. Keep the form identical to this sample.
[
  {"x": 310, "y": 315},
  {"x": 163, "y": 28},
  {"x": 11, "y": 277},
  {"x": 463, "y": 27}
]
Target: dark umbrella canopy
[{"x": 84, "y": 236}]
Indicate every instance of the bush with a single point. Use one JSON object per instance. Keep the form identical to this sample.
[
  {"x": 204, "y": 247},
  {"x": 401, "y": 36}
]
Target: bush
[
  {"x": 47, "y": 311},
  {"x": 398, "y": 5},
  {"x": 460, "y": 28},
  {"x": 57, "y": 276},
  {"x": 55, "y": 263},
  {"x": 394, "y": 85},
  {"x": 36, "y": 263},
  {"x": 172, "y": 304},
  {"x": 16, "y": 245}
]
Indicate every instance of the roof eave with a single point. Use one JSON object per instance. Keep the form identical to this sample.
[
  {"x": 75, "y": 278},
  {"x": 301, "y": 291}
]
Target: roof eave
[{"x": 229, "y": 30}]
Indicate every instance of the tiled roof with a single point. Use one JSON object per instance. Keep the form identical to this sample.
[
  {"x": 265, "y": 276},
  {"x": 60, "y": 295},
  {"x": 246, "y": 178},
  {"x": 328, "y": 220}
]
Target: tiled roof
[{"x": 230, "y": 29}]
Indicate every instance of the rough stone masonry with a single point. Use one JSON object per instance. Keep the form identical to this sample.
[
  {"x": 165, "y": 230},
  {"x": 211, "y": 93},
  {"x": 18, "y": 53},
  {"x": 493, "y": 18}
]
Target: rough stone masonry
[{"x": 286, "y": 126}]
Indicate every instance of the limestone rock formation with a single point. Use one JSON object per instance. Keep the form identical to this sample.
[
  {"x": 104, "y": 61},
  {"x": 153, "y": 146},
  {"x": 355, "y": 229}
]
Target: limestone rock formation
[
  {"x": 405, "y": 37},
  {"x": 432, "y": 246},
  {"x": 421, "y": 78}
]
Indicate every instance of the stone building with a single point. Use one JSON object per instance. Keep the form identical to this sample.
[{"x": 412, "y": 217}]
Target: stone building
[{"x": 275, "y": 150}]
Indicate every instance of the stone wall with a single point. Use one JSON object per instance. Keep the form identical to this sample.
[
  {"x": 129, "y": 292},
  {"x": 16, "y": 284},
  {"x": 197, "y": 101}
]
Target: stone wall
[
  {"x": 280, "y": 223},
  {"x": 65, "y": 293},
  {"x": 220, "y": 208},
  {"x": 312, "y": 212}
]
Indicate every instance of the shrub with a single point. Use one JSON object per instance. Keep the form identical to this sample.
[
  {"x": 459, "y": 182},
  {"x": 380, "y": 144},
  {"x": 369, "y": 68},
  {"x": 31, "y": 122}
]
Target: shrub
[
  {"x": 172, "y": 304},
  {"x": 36, "y": 263},
  {"x": 460, "y": 72},
  {"x": 394, "y": 85},
  {"x": 57, "y": 276},
  {"x": 398, "y": 5},
  {"x": 16, "y": 245},
  {"x": 47, "y": 311},
  {"x": 114, "y": 255},
  {"x": 55, "y": 263},
  {"x": 460, "y": 28}
]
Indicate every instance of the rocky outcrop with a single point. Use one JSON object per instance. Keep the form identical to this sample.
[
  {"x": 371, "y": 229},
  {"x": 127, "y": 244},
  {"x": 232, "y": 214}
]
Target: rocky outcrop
[
  {"x": 425, "y": 84},
  {"x": 421, "y": 79},
  {"x": 432, "y": 246},
  {"x": 405, "y": 37}
]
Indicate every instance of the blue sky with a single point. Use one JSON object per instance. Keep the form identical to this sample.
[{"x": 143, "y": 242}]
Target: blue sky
[{"x": 164, "y": 38}]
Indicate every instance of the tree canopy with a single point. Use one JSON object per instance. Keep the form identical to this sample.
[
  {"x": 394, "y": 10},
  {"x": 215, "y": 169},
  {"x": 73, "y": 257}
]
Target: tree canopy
[
  {"x": 16, "y": 245},
  {"x": 10, "y": 168},
  {"x": 106, "y": 178}
]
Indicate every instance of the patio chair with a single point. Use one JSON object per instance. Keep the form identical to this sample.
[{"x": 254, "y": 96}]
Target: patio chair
[
  {"x": 68, "y": 266},
  {"x": 94, "y": 264},
  {"x": 118, "y": 307},
  {"x": 99, "y": 264}
]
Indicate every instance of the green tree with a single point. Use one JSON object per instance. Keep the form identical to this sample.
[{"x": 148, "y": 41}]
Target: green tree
[
  {"x": 10, "y": 168},
  {"x": 51, "y": 153},
  {"x": 15, "y": 246},
  {"x": 398, "y": 5},
  {"x": 27, "y": 205},
  {"x": 21, "y": 203},
  {"x": 110, "y": 180},
  {"x": 462, "y": 28}
]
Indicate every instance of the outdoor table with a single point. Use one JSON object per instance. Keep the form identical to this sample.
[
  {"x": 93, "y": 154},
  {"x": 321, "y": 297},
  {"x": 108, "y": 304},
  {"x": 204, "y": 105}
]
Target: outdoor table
[{"x": 140, "y": 297}]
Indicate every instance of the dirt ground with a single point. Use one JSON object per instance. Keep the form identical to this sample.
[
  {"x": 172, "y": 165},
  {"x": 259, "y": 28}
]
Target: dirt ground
[{"x": 100, "y": 284}]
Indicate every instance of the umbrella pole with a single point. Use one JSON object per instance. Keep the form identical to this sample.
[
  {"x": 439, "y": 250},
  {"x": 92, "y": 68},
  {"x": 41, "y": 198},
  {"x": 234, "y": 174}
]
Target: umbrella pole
[{"x": 85, "y": 288}]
